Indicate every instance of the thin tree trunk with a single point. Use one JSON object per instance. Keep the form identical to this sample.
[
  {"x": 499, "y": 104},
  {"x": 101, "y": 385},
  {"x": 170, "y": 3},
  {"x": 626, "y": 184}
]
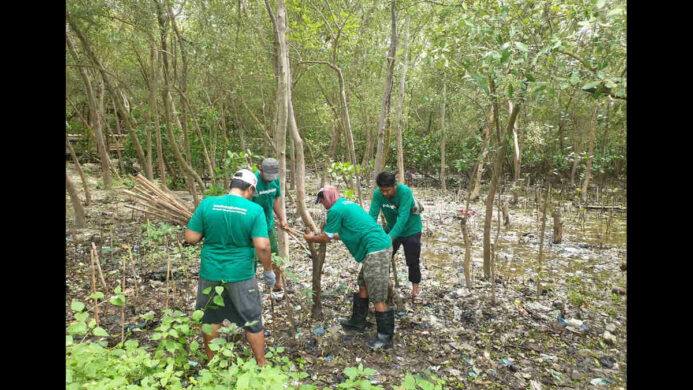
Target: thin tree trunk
[
  {"x": 516, "y": 149},
  {"x": 96, "y": 120},
  {"x": 578, "y": 151},
  {"x": 496, "y": 173},
  {"x": 282, "y": 105},
  {"x": 168, "y": 104},
  {"x": 400, "y": 104},
  {"x": 547, "y": 199},
  {"x": 115, "y": 93},
  {"x": 387, "y": 94},
  {"x": 479, "y": 169},
  {"x": 78, "y": 167},
  {"x": 588, "y": 168},
  {"x": 154, "y": 108},
  {"x": 80, "y": 215},
  {"x": 557, "y": 225},
  {"x": 443, "y": 136}
]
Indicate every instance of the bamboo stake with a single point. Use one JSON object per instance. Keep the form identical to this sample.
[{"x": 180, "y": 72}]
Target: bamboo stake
[
  {"x": 93, "y": 287},
  {"x": 98, "y": 266}
]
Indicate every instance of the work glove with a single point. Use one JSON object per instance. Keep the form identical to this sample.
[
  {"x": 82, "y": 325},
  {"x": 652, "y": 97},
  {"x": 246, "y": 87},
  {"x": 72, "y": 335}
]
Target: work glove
[{"x": 269, "y": 278}]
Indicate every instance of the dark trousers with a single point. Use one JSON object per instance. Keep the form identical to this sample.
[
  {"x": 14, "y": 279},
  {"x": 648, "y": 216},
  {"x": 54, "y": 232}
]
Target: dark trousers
[{"x": 412, "y": 253}]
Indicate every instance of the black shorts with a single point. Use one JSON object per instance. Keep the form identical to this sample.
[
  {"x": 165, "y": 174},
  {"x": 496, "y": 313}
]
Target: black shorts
[{"x": 242, "y": 304}]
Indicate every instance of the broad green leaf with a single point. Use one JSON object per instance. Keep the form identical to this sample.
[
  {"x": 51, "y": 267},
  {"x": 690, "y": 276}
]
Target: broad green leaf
[
  {"x": 68, "y": 340},
  {"x": 81, "y": 316},
  {"x": 99, "y": 331},
  {"x": 207, "y": 328},
  {"x": 76, "y": 305},
  {"x": 97, "y": 295},
  {"x": 207, "y": 290},
  {"x": 591, "y": 85},
  {"x": 218, "y": 300},
  {"x": 197, "y": 315},
  {"x": 219, "y": 289},
  {"x": 79, "y": 328}
]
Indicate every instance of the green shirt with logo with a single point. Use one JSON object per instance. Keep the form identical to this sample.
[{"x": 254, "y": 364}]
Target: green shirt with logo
[
  {"x": 265, "y": 194},
  {"x": 359, "y": 232},
  {"x": 228, "y": 224},
  {"x": 398, "y": 212}
]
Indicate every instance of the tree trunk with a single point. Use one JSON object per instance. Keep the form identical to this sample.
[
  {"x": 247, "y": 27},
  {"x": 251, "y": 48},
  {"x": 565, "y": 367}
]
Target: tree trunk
[
  {"x": 96, "y": 120},
  {"x": 467, "y": 251},
  {"x": 496, "y": 173},
  {"x": 80, "y": 218},
  {"x": 400, "y": 104},
  {"x": 547, "y": 199},
  {"x": 588, "y": 168},
  {"x": 577, "y": 150},
  {"x": 168, "y": 104},
  {"x": 282, "y": 105},
  {"x": 479, "y": 169},
  {"x": 516, "y": 149},
  {"x": 387, "y": 94},
  {"x": 557, "y": 225},
  {"x": 443, "y": 136},
  {"x": 117, "y": 97},
  {"x": 78, "y": 167},
  {"x": 154, "y": 111}
]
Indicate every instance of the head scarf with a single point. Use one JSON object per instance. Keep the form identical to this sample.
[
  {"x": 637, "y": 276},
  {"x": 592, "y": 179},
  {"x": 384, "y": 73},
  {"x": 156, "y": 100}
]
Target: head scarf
[{"x": 330, "y": 194}]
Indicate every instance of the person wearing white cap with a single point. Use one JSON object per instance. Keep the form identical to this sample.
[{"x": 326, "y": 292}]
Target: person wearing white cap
[
  {"x": 234, "y": 231},
  {"x": 267, "y": 195}
]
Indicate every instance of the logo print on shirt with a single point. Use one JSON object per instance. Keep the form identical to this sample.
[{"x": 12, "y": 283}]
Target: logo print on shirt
[
  {"x": 264, "y": 192},
  {"x": 390, "y": 206},
  {"x": 229, "y": 209}
]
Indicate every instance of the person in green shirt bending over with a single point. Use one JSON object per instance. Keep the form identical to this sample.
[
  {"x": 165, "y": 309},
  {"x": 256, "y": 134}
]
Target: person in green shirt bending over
[
  {"x": 370, "y": 246},
  {"x": 267, "y": 195},
  {"x": 234, "y": 231},
  {"x": 396, "y": 201}
]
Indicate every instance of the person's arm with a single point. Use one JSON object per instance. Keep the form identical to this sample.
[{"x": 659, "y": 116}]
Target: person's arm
[
  {"x": 402, "y": 215},
  {"x": 192, "y": 237},
  {"x": 263, "y": 252},
  {"x": 332, "y": 225},
  {"x": 261, "y": 241},
  {"x": 376, "y": 204},
  {"x": 278, "y": 212},
  {"x": 195, "y": 228}
]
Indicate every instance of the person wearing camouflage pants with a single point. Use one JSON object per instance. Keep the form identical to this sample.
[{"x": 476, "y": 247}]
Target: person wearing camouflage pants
[{"x": 370, "y": 246}]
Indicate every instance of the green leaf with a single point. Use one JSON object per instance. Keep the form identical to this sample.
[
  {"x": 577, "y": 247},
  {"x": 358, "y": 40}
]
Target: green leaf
[
  {"x": 99, "y": 331},
  {"x": 207, "y": 328},
  {"x": 92, "y": 323},
  {"x": 173, "y": 333},
  {"x": 116, "y": 300},
  {"x": 97, "y": 295},
  {"x": 218, "y": 300},
  {"x": 81, "y": 316},
  {"x": 76, "y": 305},
  {"x": 68, "y": 340},
  {"x": 207, "y": 290},
  {"x": 521, "y": 47},
  {"x": 591, "y": 85},
  {"x": 197, "y": 315},
  {"x": 155, "y": 336},
  {"x": 79, "y": 328},
  {"x": 219, "y": 289}
]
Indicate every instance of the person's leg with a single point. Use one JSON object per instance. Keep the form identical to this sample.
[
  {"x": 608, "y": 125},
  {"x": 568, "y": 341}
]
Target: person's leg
[
  {"x": 207, "y": 338},
  {"x": 245, "y": 298},
  {"x": 359, "y": 308},
  {"x": 376, "y": 275},
  {"x": 257, "y": 344},
  {"x": 363, "y": 293},
  {"x": 274, "y": 248},
  {"x": 412, "y": 254}
]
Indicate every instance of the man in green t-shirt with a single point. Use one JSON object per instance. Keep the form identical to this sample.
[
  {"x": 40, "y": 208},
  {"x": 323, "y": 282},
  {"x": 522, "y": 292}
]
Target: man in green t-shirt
[
  {"x": 267, "y": 195},
  {"x": 396, "y": 201},
  {"x": 371, "y": 247},
  {"x": 234, "y": 231}
]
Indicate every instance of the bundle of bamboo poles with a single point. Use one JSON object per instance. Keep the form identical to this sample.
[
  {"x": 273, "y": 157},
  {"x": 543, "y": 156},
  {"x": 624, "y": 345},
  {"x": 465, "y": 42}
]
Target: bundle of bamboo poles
[{"x": 158, "y": 203}]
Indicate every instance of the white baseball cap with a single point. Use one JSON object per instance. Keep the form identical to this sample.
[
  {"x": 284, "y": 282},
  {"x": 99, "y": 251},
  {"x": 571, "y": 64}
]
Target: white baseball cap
[{"x": 246, "y": 176}]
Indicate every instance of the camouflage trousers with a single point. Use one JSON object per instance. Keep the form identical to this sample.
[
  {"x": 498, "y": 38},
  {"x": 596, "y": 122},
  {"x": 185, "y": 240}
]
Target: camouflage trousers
[{"x": 375, "y": 274}]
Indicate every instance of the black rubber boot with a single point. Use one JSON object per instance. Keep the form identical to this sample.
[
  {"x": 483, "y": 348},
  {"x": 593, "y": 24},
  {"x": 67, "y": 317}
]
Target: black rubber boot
[
  {"x": 359, "y": 311},
  {"x": 386, "y": 330}
]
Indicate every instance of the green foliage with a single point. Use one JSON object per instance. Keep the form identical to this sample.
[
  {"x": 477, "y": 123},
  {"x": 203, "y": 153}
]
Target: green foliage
[
  {"x": 157, "y": 233},
  {"x": 414, "y": 382},
  {"x": 358, "y": 378},
  {"x": 215, "y": 190}
]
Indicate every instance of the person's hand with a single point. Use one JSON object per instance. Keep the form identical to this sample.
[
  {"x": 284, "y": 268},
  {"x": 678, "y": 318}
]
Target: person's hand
[
  {"x": 269, "y": 278},
  {"x": 283, "y": 224},
  {"x": 308, "y": 237}
]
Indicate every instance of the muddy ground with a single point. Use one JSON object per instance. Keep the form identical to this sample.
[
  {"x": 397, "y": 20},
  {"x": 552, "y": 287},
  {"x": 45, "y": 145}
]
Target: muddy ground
[{"x": 572, "y": 335}]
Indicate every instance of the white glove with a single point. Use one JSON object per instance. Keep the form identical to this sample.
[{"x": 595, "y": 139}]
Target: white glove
[{"x": 269, "y": 278}]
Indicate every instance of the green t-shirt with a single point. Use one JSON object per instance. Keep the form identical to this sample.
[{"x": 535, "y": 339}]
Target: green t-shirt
[
  {"x": 264, "y": 195},
  {"x": 360, "y": 234},
  {"x": 400, "y": 221},
  {"x": 228, "y": 224}
]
